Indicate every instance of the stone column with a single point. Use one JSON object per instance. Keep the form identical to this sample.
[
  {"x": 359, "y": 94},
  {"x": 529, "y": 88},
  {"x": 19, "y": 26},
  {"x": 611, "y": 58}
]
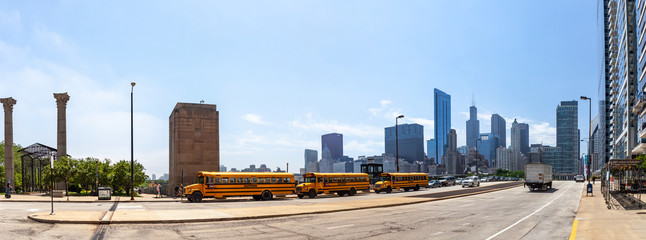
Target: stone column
[
  {"x": 7, "y": 104},
  {"x": 61, "y": 104}
]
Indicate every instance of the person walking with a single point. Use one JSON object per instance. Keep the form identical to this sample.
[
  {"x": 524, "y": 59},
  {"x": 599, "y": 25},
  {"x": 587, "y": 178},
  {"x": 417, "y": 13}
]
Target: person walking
[
  {"x": 8, "y": 193},
  {"x": 158, "y": 191}
]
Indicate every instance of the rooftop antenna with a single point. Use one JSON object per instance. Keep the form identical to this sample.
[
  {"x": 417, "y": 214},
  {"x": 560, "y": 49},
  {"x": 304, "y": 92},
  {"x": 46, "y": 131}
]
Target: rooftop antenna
[{"x": 473, "y": 99}]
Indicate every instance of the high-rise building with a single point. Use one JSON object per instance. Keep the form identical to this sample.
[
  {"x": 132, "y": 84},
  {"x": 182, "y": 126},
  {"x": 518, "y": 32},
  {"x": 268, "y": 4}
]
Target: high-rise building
[
  {"x": 504, "y": 158},
  {"x": 595, "y": 144},
  {"x": 411, "y": 141},
  {"x": 326, "y": 165},
  {"x": 640, "y": 92},
  {"x": 442, "y": 122},
  {"x": 310, "y": 156},
  {"x": 499, "y": 129},
  {"x": 567, "y": 137},
  {"x": 223, "y": 168},
  {"x": 621, "y": 84},
  {"x": 334, "y": 141},
  {"x": 431, "y": 148},
  {"x": 453, "y": 159},
  {"x": 520, "y": 137},
  {"x": 487, "y": 146},
  {"x": 154, "y": 176},
  {"x": 473, "y": 127}
]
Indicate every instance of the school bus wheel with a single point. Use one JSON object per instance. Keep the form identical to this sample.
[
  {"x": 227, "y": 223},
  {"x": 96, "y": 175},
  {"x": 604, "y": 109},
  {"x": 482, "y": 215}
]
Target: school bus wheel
[
  {"x": 256, "y": 197},
  {"x": 341, "y": 193},
  {"x": 300, "y": 196},
  {"x": 389, "y": 189},
  {"x": 266, "y": 195},
  {"x": 196, "y": 197},
  {"x": 406, "y": 189},
  {"x": 311, "y": 194},
  {"x": 352, "y": 192},
  {"x": 416, "y": 188},
  {"x": 377, "y": 191}
]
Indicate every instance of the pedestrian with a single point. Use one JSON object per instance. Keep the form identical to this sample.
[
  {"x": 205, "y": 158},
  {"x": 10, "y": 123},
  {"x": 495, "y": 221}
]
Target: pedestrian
[
  {"x": 181, "y": 190},
  {"x": 158, "y": 190},
  {"x": 8, "y": 193},
  {"x": 593, "y": 179},
  {"x": 176, "y": 189}
]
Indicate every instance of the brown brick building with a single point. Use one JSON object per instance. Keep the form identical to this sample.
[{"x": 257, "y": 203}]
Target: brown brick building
[{"x": 194, "y": 142}]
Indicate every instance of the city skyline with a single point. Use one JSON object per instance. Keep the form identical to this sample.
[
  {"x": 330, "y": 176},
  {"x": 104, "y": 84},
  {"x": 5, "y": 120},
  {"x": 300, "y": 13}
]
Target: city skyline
[{"x": 284, "y": 77}]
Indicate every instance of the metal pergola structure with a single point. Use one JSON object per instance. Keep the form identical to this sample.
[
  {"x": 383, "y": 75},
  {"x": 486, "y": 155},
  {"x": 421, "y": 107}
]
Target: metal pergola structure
[
  {"x": 34, "y": 159},
  {"x": 625, "y": 177}
]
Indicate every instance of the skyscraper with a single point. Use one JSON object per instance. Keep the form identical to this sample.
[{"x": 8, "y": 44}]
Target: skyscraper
[
  {"x": 499, "y": 129},
  {"x": 411, "y": 141},
  {"x": 567, "y": 136},
  {"x": 487, "y": 146},
  {"x": 442, "y": 122},
  {"x": 431, "y": 148},
  {"x": 453, "y": 159},
  {"x": 334, "y": 141},
  {"x": 310, "y": 156},
  {"x": 473, "y": 127},
  {"x": 619, "y": 87},
  {"x": 520, "y": 137},
  {"x": 640, "y": 94}
]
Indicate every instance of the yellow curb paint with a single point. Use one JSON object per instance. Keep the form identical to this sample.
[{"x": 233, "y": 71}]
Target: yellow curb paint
[{"x": 573, "y": 233}]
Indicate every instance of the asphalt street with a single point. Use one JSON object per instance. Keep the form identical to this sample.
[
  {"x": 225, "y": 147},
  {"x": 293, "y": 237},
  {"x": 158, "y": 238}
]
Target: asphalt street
[{"x": 509, "y": 214}]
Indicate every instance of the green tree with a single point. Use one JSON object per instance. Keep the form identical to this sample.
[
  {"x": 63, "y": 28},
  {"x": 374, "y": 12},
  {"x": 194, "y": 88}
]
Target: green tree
[
  {"x": 65, "y": 169},
  {"x": 105, "y": 173},
  {"x": 17, "y": 166},
  {"x": 121, "y": 176},
  {"x": 86, "y": 176}
]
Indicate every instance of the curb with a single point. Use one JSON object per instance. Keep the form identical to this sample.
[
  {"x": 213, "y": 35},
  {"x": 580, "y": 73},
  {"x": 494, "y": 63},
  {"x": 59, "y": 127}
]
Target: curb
[{"x": 269, "y": 216}]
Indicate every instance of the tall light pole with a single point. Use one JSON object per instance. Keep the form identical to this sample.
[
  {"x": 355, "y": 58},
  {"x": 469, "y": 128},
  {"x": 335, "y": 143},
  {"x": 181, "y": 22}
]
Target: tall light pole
[
  {"x": 132, "y": 145},
  {"x": 589, "y": 133},
  {"x": 397, "y": 142}
]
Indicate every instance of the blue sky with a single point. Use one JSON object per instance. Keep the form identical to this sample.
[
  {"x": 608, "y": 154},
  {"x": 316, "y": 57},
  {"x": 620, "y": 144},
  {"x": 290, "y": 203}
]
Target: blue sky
[{"x": 284, "y": 72}]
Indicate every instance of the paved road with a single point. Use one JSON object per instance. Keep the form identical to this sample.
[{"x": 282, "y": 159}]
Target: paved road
[{"x": 474, "y": 217}]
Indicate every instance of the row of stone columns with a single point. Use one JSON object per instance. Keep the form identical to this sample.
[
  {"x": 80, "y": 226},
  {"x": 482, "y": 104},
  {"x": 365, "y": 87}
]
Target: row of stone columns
[{"x": 7, "y": 104}]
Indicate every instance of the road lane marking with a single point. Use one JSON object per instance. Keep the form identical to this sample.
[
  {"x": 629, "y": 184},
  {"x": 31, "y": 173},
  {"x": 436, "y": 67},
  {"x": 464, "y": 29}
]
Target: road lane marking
[
  {"x": 437, "y": 233},
  {"x": 33, "y": 210},
  {"x": 573, "y": 233},
  {"x": 349, "y": 225},
  {"x": 526, "y": 217}
]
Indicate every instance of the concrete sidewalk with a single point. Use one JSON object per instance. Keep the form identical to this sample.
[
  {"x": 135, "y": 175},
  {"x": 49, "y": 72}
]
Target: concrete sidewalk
[
  {"x": 595, "y": 221},
  {"x": 207, "y": 215},
  {"x": 83, "y": 199}
]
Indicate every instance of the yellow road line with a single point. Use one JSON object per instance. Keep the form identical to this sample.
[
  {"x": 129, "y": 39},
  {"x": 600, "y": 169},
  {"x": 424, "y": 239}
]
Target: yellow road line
[{"x": 573, "y": 233}]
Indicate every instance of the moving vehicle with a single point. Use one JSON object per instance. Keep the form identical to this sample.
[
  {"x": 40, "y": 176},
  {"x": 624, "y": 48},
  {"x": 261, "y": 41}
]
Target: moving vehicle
[
  {"x": 389, "y": 181},
  {"x": 433, "y": 184},
  {"x": 579, "y": 178},
  {"x": 339, "y": 183},
  {"x": 471, "y": 181},
  {"x": 459, "y": 180},
  {"x": 259, "y": 185},
  {"x": 538, "y": 176},
  {"x": 447, "y": 181}
]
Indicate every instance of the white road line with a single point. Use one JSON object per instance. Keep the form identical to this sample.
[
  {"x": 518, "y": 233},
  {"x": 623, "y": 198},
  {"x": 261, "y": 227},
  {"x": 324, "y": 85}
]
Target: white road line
[
  {"x": 33, "y": 210},
  {"x": 350, "y": 225},
  {"x": 523, "y": 219},
  {"x": 437, "y": 233}
]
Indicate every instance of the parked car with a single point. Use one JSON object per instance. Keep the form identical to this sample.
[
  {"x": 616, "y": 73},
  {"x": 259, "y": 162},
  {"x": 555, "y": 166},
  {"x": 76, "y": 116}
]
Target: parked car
[
  {"x": 459, "y": 180},
  {"x": 484, "y": 179},
  {"x": 447, "y": 181},
  {"x": 471, "y": 181},
  {"x": 579, "y": 178},
  {"x": 434, "y": 184}
]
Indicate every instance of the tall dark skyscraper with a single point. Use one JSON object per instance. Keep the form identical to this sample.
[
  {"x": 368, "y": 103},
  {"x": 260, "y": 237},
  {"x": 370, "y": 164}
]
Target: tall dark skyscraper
[
  {"x": 442, "y": 123},
  {"x": 334, "y": 142},
  {"x": 310, "y": 156},
  {"x": 499, "y": 129},
  {"x": 411, "y": 141},
  {"x": 567, "y": 137},
  {"x": 520, "y": 137},
  {"x": 473, "y": 127}
]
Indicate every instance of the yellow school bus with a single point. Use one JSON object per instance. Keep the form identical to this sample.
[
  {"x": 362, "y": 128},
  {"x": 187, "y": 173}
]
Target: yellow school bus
[
  {"x": 389, "y": 181},
  {"x": 259, "y": 185},
  {"x": 340, "y": 183}
]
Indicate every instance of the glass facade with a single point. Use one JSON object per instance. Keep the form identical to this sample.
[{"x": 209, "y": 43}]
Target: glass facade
[
  {"x": 499, "y": 129},
  {"x": 473, "y": 127},
  {"x": 430, "y": 147},
  {"x": 334, "y": 142},
  {"x": 567, "y": 137},
  {"x": 411, "y": 141},
  {"x": 487, "y": 146},
  {"x": 442, "y": 123}
]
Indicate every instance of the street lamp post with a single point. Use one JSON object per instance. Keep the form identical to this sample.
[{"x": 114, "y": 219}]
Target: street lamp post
[
  {"x": 589, "y": 175},
  {"x": 397, "y": 142},
  {"x": 132, "y": 146}
]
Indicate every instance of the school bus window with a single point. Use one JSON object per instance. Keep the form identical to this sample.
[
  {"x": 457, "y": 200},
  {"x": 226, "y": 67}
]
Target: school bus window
[
  {"x": 245, "y": 180},
  {"x": 279, "y": 180},
  {"x": 209, "y": 180},
  {"x": 225, "y": 180},
  {"x": 273, "y": 180},
  {"x": 253, "y": 180},
  {"x": 217, "y": 180},
  {"x": 200, "y": 179},
  {"x": 286, "y": 180},
  {"x": 320, "y": 179},
  {"x": 267, "y": 180},
  {"x": 239, "y": 180}
]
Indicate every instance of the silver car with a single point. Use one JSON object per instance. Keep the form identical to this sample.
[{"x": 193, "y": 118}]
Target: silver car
[{"x": 471, "y": 181}]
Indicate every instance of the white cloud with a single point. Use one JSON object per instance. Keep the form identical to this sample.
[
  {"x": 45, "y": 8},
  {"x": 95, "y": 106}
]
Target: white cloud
[
  {"x": 254, "y": 118},
  {"x": 366, "y": 147},
  {"x": 360, "y": 130}
]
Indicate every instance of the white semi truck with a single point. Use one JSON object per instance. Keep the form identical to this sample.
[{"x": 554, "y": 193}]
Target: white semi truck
[{"x": 538, "y": 176}]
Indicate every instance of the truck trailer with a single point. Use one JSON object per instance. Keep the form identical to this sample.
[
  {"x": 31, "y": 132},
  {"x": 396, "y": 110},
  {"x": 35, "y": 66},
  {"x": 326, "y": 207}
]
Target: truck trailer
[{"x": 538, "y": 176}]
